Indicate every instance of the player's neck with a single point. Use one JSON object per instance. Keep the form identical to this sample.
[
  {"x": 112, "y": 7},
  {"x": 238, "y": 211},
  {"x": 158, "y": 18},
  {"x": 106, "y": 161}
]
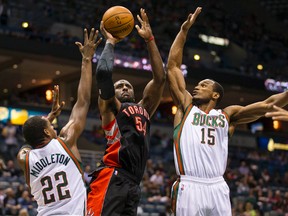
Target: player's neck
[{"x": 206, "y": 107}]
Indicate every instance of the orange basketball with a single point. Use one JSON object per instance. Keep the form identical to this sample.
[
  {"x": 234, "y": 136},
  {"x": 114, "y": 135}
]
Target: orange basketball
[{"x": 119, "y": 21}]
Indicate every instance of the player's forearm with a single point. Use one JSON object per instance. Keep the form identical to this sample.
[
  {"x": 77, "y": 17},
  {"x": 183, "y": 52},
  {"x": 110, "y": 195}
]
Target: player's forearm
[
  {"x": 85, "y": 83},
  {"x": 176, "y": 51},
  {"x": 159, "y": 74},
  {"x": 104, "y": 72}
]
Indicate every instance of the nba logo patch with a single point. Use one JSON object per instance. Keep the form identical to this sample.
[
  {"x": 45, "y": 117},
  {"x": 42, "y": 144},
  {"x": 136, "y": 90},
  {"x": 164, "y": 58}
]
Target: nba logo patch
[
  {"x": 116, "y": 172},
  {"x": 182, "y": 187}
]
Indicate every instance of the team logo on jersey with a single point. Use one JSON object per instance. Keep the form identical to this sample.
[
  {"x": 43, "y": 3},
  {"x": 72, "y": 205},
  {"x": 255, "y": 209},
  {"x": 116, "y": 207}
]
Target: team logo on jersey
[{"x": 211, "y": 121}]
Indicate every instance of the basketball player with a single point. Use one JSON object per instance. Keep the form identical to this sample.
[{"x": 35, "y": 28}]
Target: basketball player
[
  {"x": 114, "y": 188},
  {"x": 278, "y": 114},
  {"x": 201, "y": 136},
  {"x": 52, "y": 165}
]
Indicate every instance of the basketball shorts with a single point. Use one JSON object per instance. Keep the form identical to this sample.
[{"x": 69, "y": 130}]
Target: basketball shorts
[
  {"x": 113, "y": 192},
  {"x": 192, "y": 196}
]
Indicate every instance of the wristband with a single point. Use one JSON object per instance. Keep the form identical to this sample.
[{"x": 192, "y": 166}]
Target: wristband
[{"x": 150, "y": 39}]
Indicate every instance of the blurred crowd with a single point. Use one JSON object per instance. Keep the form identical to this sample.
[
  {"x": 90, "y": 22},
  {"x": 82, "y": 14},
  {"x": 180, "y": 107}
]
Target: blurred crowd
[
  {"x": 252, "y": 40},
  {"x": 258, "y": 179}
]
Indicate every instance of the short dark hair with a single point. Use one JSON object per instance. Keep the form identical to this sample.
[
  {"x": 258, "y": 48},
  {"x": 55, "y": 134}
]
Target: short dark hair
[
  {"x": 33, "y": 130},
  {"x": 217, "y": 87}
]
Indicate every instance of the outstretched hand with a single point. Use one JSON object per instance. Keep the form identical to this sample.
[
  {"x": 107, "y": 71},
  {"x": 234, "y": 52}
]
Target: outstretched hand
[
  {"x": 56, "y": 106},
  {"x": 108, "y": 36},
  {"x": 191, "y": 19},
  {"x": 145, "y": 31},
  {"x": 88, "y": 49},
  {"x": 278, "y": 114}
]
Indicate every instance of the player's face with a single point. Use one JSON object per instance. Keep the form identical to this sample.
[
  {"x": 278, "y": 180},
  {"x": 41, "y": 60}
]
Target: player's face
[
  {"x": 124, "y": 91},
  {"x": 203, "y": 92},
  {"x": 50, "y": 129}
]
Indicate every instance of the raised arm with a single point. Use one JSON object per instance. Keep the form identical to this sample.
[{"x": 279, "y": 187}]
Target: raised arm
[
  {"x": 251, "y": 112},
  {"x": 154, "y": 89},
  {"x": 75, "y": 126},
  {"x": 176, "y": 82},
  {"x": 107, "y": 102}
]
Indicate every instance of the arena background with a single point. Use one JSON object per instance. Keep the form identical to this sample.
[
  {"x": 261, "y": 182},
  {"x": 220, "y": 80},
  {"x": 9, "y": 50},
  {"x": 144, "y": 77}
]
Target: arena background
[{"x": 241, "y": 44}]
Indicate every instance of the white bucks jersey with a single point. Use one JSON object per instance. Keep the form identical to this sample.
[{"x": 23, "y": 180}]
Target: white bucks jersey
[
  {"x": 55, "y": 178},
  {"x": 201, "y": 143}
]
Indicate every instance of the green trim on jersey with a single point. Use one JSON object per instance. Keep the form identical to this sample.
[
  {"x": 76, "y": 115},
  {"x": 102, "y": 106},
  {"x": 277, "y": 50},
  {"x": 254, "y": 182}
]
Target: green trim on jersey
[
  {"x": 75, "y": 160},
  {"x": 176, "y": 137}
]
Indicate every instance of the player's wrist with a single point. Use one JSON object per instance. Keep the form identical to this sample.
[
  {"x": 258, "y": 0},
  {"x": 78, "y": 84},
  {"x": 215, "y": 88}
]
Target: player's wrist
[
  {"x": 86, "y": 59},
  {"x": 111, "y": 41},
  {"x": 149, "y": 39}
]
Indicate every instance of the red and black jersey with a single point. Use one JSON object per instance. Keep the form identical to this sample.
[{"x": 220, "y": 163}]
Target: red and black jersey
[{"x": 128, "y": 137}]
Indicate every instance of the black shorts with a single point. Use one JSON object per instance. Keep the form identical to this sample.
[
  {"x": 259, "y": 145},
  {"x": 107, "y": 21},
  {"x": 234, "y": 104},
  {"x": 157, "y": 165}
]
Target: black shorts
[{"x": 113, "y": 192}]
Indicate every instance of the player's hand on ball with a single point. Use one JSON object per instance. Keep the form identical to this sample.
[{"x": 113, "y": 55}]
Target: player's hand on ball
[
  {"x": 191, "y": 19},
  {"x": 145, "y": 31},
  {"x": 108, "y": 36},
  {"x": 88, "y": 49}
]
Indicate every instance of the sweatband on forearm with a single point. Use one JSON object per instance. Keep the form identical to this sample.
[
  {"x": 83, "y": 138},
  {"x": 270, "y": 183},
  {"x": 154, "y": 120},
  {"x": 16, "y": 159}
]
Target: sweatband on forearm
[{"x": 104, "y": 73}]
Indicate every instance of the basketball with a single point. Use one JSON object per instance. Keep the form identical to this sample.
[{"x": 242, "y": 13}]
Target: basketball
[{"x": 118, "y": 21}]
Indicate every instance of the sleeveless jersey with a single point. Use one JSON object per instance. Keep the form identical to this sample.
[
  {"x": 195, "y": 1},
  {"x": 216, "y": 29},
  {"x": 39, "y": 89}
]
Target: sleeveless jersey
[
  {"x": 201, "y": 143},
  {"x": 128, "y": 140},
  {"x": 55, "y": 178}
]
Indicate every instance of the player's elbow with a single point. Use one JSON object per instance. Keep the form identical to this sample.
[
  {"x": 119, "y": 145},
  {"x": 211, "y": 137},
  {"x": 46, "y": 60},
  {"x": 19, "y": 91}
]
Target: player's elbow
[{"x": 170, "y": 65}]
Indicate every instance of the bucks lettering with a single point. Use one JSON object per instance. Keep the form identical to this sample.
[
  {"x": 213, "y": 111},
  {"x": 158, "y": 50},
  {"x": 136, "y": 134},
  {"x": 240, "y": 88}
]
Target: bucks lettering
[
  {"x": 211, "y": 121},
  {"x": 46, "y": 161}
]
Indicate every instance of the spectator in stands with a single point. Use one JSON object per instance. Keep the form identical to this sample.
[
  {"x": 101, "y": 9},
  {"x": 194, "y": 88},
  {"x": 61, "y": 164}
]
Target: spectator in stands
[
  {"x": 11, "y": 206},
  {"x": 157, "y": 178},
  {"x": 243, "y": 169},
  {"x": 11, "y": 172},
  {"x": 249, "y": 210},
  {"x": 9, "y": 133},
  {"x": 25, "y": 202},
  {"x": 87, "y": 178}
]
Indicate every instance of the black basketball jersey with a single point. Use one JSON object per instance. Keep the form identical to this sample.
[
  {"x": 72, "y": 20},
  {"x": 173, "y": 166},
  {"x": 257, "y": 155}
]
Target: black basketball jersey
[{"x": 128, "y": 137}]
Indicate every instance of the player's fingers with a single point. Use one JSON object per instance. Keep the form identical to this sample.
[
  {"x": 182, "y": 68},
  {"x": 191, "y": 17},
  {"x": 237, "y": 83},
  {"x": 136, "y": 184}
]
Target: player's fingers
[
  {"x": 95, "y": 35},
  {"x": 144, "y": 16},
  {"x": 62, "y": 104},
  {"x": 277, "y": 108},
  {"x": 137, "y": 27},
  {"x": 78, "y": 44},
  {"x": 91, "y": 35},
  {"x": 279, "y": 118},
  {"x": 139, "y": 19},
  {"x": 98, "y": 42},
  {"x": 85, "y": 35},
  {"x": 198, "y": 10}
]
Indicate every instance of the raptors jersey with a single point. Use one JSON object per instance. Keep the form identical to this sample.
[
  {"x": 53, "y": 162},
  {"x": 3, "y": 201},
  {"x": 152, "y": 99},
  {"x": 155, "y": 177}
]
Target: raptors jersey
[
  {"x": 128, "y": 140},
  {"x": 201, "y": 143},
  {"x": 55, "y": 178}
]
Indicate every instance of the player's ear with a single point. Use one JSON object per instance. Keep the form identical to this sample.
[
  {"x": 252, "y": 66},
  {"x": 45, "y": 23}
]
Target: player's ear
[
  {"x": 216, "y": 95},
  {"x": 47, "y": 132}
]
